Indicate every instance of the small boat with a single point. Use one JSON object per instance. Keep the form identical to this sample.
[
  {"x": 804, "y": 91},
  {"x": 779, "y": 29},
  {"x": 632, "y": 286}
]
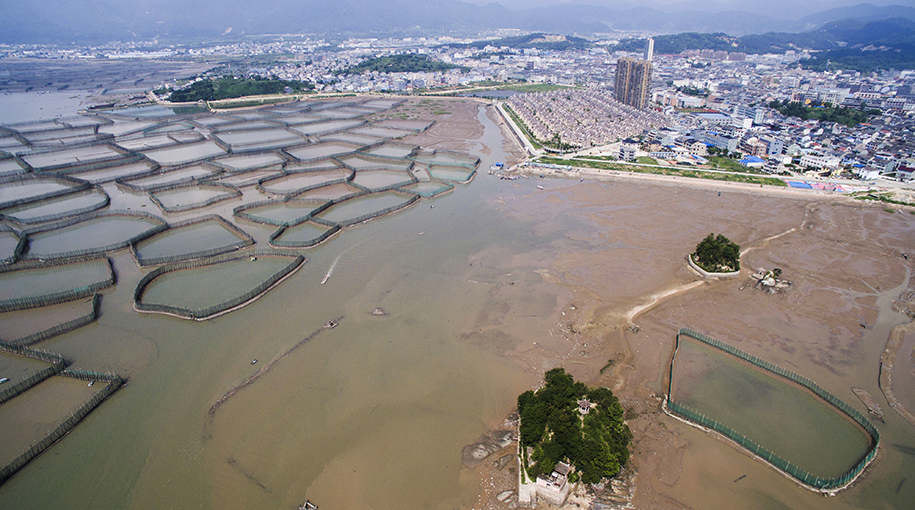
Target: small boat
[
  {"x": 254, "y": 361},
  {"x": 308, "y": 505},
  {"x": 326, "y": 277},
  {"x": 539, "y": 187},
  {"x": 5, "y": 379},
  {"x": 91, "y": 383},
  {"x": 421, "y": 233},
  {"x": 331, "y": 324}
]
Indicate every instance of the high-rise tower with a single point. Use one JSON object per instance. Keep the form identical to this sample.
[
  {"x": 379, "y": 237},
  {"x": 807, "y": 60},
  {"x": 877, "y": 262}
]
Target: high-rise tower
[
  {"x": 633, "y": 78},
  {"x": 649, "y": 49}
]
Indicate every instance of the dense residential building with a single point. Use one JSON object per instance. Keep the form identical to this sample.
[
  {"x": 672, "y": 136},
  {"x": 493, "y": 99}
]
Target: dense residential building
[{"x": 633, "y": 79}]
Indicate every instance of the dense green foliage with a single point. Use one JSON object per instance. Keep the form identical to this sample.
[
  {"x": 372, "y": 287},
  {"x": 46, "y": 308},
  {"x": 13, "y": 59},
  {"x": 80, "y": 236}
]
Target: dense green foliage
[
  {"x": 400, "y": 64},
  {"x": 596, "y": 444},
  {"x": 228, "y": 87},
  {"x": 828, "y": 113},
  {"x": 717, "y": 254}
]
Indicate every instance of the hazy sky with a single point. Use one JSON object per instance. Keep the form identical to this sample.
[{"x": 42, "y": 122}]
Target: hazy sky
[{"x": 699, "y": 5}]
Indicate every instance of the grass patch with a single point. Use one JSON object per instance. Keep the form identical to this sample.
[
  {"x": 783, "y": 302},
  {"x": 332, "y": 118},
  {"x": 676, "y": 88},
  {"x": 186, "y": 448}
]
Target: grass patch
[
  {"x": 882, "y": 197},
  {"x": 726, "y": 164},
  {"x": 676, "y": 172},
  {"x": 645, "y": 160},
  {"x": 534, "y": 87}
]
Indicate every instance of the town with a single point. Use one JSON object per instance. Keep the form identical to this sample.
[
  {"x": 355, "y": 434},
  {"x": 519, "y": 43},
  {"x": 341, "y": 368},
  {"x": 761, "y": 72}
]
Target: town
[{"x": 730, "y": 103}]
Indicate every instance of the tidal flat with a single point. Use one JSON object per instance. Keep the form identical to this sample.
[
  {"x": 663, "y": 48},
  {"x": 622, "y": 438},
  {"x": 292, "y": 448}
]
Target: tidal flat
[{"x": 505, "y": 282}]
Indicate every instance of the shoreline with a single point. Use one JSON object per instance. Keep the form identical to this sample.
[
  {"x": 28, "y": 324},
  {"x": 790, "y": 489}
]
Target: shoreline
[{"x": 699, "y": 183}]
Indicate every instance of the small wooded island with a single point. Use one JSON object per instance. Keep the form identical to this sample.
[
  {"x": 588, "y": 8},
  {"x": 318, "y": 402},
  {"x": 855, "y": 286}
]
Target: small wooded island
[
  {"x": 717, "y": 254},
  {"x": 570, "y": 431}
]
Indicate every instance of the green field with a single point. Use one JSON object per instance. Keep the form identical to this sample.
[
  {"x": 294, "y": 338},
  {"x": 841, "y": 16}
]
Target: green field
[{"x": 677, "y": 172}]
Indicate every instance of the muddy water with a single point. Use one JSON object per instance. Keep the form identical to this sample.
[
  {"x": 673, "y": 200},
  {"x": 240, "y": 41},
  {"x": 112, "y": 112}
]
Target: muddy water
[
  {"x": 374, "y": 413},
  {"x": 789, "y": 422},
  {"x": 371, "y": 414}
]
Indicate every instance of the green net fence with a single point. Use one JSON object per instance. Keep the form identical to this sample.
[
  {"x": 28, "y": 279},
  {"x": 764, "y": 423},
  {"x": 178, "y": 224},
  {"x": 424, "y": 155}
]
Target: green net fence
[
  {"x": 114, "y": 382},
  {"x": 158, "y": 225},
  {"x": 71, "y": 213},
  {"x": 208, "y": 312},
  {"x": 62, "y": 296},
  {"x": 244, "y": 241},
  {"x": 808, "y": 479},
  {"x": 228, "y": 192},
  {"x": 61, "y": 328}
]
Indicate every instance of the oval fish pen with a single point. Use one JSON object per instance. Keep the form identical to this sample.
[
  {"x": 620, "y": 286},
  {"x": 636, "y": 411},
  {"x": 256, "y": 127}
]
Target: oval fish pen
[
  {"x": 11, "y": 245},
  {"x": 180, "y": 198},
  {"x": 165, "y": 179},
  {"x": 191, "y": 239},
  {"x": 34, "y": 284},
  {"x": 97, "y": 233},
  {"x": 206, "y": 288},
  {"x": 428, "y": 189},
  {"x": 362, "y": 208},
  {"x": 53, "y": 209},
  {"x": 27, "y": 188},
  {"x": 286, "y": 212},
  {"x": 303, "y": 235},
  {"x": 300, "y": 182},
  {"x": 827, "y": 484}
]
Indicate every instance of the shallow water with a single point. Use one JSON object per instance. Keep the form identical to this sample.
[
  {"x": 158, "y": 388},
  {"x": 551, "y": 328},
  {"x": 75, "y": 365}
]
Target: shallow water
[
  {"x": 377, "y": 179},
  {"x": 245, "y": 138},
  {"x": 93, "y": 235},
  {"x": 31, "y": 188},
  {"x": 112, "y": 173},
  {"x": 8, "y": 242},
  {"x": 296, "y": 182},
  {"x": 784, "y": 419},
  {"x": 363, "y": 163},
  {"x": 28, "y": 283},
  {"x": 301, "y": 235},
  {"x": 371, "y": 414},
  {"x": 48, "y": 403},
  {"x": 346, "y": 212},
  {"x": 450, "y": 173},
  {"x": 82, "y": 155},
  {"x": 81, "y": 200},
  {"x": 286, "y": 212},
  {"x": 317, "y": 128},
  {"x": 250, "y": 162},
  {"x": 192, "y": 195},
  {"x": 184, "y": 154},
  {"x": 321, "y": 151},
  {"x": 391, "y": 151},
  {"x": 173, "y": 176},
  {"x": 181, "y": 241},
  {"x": 428, "y": 188},
  {"x": 199, "y": 288},
  {"x": 247, "y": 178}
]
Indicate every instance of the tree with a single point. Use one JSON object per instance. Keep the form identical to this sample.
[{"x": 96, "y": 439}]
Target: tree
[
  {"x": 596, "y": 445},
  {"x": 717, "y": 254}
]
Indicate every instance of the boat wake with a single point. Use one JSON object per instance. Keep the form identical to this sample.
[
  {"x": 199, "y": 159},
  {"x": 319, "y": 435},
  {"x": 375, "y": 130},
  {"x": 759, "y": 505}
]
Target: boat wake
[{"x": 334, "y": 265}]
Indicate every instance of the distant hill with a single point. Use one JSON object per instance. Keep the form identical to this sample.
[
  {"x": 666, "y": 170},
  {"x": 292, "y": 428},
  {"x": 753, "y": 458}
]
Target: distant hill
[
  {"x": 893, "y": 33},
  {"x": 533, "y": 41},
  {"x": 94, "y": 21}
]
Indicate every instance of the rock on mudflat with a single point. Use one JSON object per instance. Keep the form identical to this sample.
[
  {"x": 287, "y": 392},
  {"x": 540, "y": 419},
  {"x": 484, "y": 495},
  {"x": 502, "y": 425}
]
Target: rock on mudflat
[{"x": 485, "y": 446}]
